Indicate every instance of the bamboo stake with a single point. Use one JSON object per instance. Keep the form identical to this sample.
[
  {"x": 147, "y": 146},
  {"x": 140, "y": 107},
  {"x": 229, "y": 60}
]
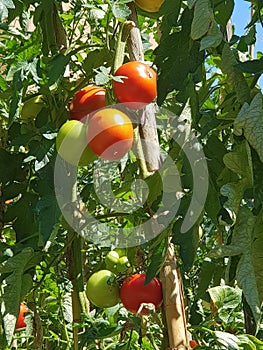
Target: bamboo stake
[{"x": 173, "y": 302}]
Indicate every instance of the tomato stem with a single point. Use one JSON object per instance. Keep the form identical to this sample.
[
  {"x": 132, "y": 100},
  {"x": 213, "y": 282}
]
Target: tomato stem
[
  {"x": 137, "y": 146},
  {"x": 123, "y": 35}
]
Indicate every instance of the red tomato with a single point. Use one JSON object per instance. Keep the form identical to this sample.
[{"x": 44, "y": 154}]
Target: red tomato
[
  {"x": 110, "y": 133},
  {"x": 21, "y": 317},
  {"x": 133, "y": 293},
  {"x": 192, "y": 344},
  {"x": 138, "y": 87},
  {"x": 87, "y": 100}
]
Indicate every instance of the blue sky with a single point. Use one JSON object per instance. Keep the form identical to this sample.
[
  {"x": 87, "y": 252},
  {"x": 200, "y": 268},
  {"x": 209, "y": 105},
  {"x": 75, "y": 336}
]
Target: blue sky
[{"x": 241, "y": 17}]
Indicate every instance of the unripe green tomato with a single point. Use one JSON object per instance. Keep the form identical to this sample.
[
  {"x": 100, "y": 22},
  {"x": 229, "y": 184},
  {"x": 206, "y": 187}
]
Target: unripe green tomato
[
  {"x": 71, "y": 143},
  {"x": 102, "y": 289},
  {"x": 111, "y": 261},
  {"x": 123, "y": 265},
  {"x": 121, "y": 251}
]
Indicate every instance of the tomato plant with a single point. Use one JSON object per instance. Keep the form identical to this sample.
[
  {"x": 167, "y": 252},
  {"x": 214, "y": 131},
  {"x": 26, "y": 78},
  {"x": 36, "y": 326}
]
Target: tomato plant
[
  {"x": 21, "y": 316},
  {"x": 149, "y": 5},
  {"x": 137, "y": 86},
  {"x": 103, "y": 289},
  {"x": 134, "y": 293},
  {"x": 110, "y": 133},
  {"x": 71, "y": 143},
  {"x": 87, "y": 100}
]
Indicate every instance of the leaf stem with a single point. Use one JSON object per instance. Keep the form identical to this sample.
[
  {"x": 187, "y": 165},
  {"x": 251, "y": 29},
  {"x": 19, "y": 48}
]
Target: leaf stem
[{"x": 123, "y": 35}]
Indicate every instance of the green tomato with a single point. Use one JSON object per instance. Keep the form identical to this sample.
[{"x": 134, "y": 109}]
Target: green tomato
[
  {"x": 121, "y": 251},
  {"x": 124, "y": 265},
  {"x": 111, "y": 261},
  {"x": 71, "y": 143},
  {"x": 102, "y": 289}
]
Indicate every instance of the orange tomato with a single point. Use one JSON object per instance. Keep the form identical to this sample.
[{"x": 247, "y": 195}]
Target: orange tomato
[{"x": 110, "y": 133}]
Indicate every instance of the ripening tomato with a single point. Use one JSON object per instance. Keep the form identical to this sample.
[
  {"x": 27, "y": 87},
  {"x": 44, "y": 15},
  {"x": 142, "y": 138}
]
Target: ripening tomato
[
  {"x": 149, "y": 5},
  {"x": 21, "y": 316},
  {"x": 138, "y": 86},
  {"x": 102, "y": 289},
  {"x": 110, "y": 133},
  {"x": 87, "y": 100},
  {"x": 71, "y": 143},
  {"x": 133, "y": 293}
]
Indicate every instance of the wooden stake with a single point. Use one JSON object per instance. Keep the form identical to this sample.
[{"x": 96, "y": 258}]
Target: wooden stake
[
  {"x": 173, "y": 302},
  {"x": 147, "y": 123}
]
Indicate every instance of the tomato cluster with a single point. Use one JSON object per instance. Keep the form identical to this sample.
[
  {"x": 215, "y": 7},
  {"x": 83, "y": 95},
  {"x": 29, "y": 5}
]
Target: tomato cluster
[
  {"x": 97, "y": 130},
  {"x": 118, "y": 282}
]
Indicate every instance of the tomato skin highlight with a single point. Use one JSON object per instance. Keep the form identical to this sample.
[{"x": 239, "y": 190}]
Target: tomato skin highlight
[
  {"x": 102, "y": 289},
  {"x": 86, "y": 101},
  {"x": 138, "y": 87},
  {"x": 21, "y": 316},
  {"x": 133, "y": 293},
  {"x": 110, "y": 134}
]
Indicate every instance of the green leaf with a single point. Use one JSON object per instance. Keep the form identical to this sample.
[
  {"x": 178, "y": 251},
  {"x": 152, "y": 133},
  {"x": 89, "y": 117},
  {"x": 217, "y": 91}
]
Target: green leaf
[
  {"x": 213, "y": 38},
  {"x": 214, "y": 150},
  {"x": 227, "y": 340},
  {"x": 258, "y": 254},
  {"x": 239, "y": 161},
  {"x": 246, "y": 279},
  {"x": 177, "y": 56},
  {"x": 48, "y": 215},
  {"x": 205, "y": 277},
  {"x": 225, "y": 297},
  {"x": 250, "y": 120},
  {"x": 241, "y": 244},
  {"x": 56, "y": 69},
  {"x": 158, "y": 255},
  {"x": 96, "y": 59},
  {"x": 11, "y": 167},
  {"x": 188, "y": 243},
  {"x": 120, "y": 11},
  {"x": 14, "y": 289},
  {"x": 252, "y": 66},
  {"x": 223, "y": 10},
  {"x": 202, "y": 21},
  {"x": 234, "y": 77},
  {"x": 16, "y": 99}
]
